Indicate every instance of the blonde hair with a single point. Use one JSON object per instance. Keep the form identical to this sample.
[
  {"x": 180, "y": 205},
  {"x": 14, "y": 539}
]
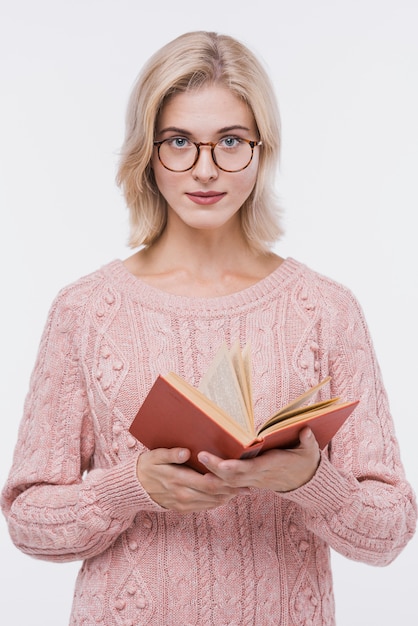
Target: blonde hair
[{"x": 188, "y": 62}]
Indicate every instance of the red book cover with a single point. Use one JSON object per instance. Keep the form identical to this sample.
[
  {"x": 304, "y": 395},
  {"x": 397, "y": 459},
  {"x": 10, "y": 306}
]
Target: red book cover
[{"x": 169, "y": 419}]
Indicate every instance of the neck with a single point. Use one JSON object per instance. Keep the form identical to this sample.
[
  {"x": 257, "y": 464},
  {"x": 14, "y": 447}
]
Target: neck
[
  {"x": 203, "y": 251},
  {"x": 206, "y": 268},
  {"x": 201, "y": 261}
]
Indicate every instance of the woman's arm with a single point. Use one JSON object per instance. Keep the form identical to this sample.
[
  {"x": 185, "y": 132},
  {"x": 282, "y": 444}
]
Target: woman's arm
[
  {"x": 357, "y": 498},
  {"x": 54, "y": 508}
]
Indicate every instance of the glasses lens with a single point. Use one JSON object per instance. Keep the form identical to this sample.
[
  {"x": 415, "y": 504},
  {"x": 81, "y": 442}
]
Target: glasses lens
[
  {"x": 232, "y": 154},
  {"x": 178, "y": 154}
]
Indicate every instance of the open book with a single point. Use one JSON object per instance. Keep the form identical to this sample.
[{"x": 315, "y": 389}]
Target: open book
[{"x": 218, "y": 416}]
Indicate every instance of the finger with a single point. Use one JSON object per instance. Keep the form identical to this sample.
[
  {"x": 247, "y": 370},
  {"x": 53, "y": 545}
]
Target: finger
[
  {"x": 212, "y": 462},
  {"x": 228, "y": 470}
]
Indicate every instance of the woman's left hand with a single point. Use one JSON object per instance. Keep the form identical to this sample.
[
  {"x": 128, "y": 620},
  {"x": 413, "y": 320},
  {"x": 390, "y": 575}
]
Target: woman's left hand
[{"x": 279, "y": 470}]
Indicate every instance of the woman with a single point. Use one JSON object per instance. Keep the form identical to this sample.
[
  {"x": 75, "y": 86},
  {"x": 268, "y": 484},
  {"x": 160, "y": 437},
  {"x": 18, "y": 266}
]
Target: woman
[{"x": 248, "y": 542}]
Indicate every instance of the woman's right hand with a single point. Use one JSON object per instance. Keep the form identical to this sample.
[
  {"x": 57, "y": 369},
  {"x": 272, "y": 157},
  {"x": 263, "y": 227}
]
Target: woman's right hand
[{"x": 174, "y": 486}]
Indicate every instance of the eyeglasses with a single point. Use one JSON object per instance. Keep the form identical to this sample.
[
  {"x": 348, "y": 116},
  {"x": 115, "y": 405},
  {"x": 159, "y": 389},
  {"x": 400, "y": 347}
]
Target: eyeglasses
[{"x": 230, "y": 154}]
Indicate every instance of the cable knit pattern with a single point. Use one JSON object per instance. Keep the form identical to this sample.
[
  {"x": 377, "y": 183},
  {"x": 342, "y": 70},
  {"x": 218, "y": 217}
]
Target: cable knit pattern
[{"x": 262, "y": 559}]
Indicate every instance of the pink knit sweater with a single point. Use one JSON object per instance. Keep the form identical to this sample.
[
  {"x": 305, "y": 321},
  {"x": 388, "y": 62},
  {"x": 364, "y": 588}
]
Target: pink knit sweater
[{"x": 262, "y": 559}]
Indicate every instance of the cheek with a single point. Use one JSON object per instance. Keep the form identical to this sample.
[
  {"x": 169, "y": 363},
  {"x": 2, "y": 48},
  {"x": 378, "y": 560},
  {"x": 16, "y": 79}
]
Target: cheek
[
  {"x": 250, "y": 174},
  {"x": 246, "y": 183},
  {"x": 168, "y": 184}
]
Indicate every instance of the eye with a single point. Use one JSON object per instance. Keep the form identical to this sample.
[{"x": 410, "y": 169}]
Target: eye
[
  {"x": 230, "y": 142},
  {"x": 179, "y": 143}
]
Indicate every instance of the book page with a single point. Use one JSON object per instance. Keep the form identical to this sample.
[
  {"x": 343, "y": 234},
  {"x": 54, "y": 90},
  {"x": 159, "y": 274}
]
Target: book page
[
  {"x": 332, "y": 408},
  {"x": 242, "y": 367},
  {"x": 300, "y": 413},
  {"x": 302, "y": 399},
  {"x": 298, "y": 406},
  {"x": 220, "y": 384},
  {"x": 246, "y": 358}
]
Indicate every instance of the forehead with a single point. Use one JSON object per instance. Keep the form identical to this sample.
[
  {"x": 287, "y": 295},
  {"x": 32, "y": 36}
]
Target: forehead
[{"x": 210, "y": 108}]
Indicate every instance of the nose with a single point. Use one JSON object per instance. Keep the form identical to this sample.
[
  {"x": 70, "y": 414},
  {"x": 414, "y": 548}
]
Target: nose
[{"x": 205, "y": 169}]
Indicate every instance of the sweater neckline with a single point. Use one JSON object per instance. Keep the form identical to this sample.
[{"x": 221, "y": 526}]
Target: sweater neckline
[{"x": 153, "y": 296}]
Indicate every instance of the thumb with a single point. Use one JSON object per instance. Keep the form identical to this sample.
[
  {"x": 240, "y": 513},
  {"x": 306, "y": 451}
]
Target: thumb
[
  {"x": 307, "y": 438},
  {"x": 171, "y": 455}
]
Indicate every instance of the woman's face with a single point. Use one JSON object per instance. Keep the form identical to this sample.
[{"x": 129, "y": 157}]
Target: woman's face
[{"x": 205, "y": 197}]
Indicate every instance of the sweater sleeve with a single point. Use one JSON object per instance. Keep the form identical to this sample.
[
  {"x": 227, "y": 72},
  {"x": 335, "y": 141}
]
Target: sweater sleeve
[
  {"x": 359, "y": 501},
  {"x": 57, "y": 507}
]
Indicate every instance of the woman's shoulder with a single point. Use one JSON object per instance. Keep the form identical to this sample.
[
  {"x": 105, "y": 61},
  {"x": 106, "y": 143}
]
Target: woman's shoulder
[
  {"x": 318, "y": 279},
  {"x": 89, "y": 288},
  {"x": 319, "y": 287}
]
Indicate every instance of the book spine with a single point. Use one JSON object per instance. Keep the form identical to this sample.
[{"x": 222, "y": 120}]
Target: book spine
[{"x": 253, "y": 450}]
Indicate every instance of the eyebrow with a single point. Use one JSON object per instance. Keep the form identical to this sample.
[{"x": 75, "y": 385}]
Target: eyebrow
[{"x": 183, "y": 131}]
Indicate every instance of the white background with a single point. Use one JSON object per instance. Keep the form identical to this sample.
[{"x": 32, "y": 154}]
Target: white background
[{"x": 346, "y": 76}]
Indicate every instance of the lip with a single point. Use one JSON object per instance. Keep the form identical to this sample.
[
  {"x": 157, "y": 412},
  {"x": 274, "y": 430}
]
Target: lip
[{"x": 205, "y": 197}]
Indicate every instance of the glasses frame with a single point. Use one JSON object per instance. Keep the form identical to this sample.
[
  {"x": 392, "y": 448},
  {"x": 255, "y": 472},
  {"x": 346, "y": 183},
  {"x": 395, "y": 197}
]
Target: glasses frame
[{"x": 198, "y": 144}]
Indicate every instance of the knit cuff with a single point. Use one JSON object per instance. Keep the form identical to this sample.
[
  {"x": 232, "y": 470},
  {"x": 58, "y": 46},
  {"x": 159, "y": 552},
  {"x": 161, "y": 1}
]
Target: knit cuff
[
  {"x": 120, "y": 494},
  {"x": 326, "y": 493}
]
